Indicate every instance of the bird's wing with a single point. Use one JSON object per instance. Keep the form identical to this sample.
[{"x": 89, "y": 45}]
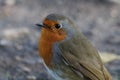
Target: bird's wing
[
  {"x": 83, "y": 58},
  {"x": 86, "y": 68}
]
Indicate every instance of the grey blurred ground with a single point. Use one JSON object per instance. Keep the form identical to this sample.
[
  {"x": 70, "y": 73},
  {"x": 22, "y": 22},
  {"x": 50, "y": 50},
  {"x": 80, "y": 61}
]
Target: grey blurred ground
[{"x": 99, "y": 20}]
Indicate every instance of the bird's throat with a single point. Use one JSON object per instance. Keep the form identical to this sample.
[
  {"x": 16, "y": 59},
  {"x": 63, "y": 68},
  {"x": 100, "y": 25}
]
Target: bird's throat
[{"x": 45, "y": 50}]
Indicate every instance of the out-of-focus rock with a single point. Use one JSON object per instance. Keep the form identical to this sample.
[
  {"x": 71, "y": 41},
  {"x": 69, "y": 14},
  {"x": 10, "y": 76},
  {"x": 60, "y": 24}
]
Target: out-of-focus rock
[
  {"x": 10, "y": 2},
  {"x": 28, "y": 59},
  {"x": 18, "y": 58},
  {"x": 115, "y": 1},
  {"x": 107, "y": 1},
  {"x": 4, "y": 42},
  {"x": 15, "y": 33},
  {"x": 31, "y": 77},
  {"x": 115, "y": 40},
  {"x": 108, "y": 57},
  {"x": 24, "y": 68}
]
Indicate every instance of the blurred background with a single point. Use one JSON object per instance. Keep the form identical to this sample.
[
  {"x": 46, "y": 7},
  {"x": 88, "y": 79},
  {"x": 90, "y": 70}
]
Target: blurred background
[{"x": 98, "y": 20}]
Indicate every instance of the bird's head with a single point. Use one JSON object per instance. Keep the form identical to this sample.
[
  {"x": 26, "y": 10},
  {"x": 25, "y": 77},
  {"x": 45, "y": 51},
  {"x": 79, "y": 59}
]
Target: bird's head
[{"x": 56, "y": 27}]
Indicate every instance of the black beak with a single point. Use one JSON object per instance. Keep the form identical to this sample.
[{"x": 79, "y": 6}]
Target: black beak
[{"x": 39, "y": 25}]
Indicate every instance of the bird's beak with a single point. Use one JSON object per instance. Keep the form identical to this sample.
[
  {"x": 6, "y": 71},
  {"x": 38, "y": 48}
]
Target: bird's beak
[{"x": 40, "y": 25}]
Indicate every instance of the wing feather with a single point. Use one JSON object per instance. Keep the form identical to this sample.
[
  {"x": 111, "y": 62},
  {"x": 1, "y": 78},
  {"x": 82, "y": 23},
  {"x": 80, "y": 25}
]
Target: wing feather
[{"x": 83, "y": 57}]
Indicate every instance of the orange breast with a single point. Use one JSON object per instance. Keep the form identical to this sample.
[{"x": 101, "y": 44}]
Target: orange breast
[{"x": 45, "y": 48}]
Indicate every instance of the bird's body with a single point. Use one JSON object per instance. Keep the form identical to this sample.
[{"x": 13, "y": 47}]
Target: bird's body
[{"x": 67, "y": 53}]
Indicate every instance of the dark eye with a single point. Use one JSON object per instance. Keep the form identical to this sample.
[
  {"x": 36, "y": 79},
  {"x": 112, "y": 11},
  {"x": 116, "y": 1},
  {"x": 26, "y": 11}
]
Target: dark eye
[{"x": 58, "y": 26}]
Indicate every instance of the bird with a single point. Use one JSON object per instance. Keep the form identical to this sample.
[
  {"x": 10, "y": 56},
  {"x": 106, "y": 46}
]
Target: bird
[{"x": 67, "y": 53}]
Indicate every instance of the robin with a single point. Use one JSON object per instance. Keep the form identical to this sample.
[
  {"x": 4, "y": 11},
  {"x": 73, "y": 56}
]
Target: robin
[{"x": 67, "y": 53}]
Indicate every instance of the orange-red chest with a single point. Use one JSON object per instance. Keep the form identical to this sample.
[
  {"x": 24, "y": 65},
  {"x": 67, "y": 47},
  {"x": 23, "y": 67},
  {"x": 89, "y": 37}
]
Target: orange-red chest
[{"x": 45, "y": 48}]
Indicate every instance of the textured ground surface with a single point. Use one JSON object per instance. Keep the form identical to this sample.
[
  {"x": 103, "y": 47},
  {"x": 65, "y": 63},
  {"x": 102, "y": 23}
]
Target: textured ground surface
[{"x": 19, "y": 59}]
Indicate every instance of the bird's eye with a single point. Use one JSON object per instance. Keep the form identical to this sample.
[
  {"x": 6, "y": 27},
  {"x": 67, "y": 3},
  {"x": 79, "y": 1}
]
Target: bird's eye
[{"x": 58, "y": 26}]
